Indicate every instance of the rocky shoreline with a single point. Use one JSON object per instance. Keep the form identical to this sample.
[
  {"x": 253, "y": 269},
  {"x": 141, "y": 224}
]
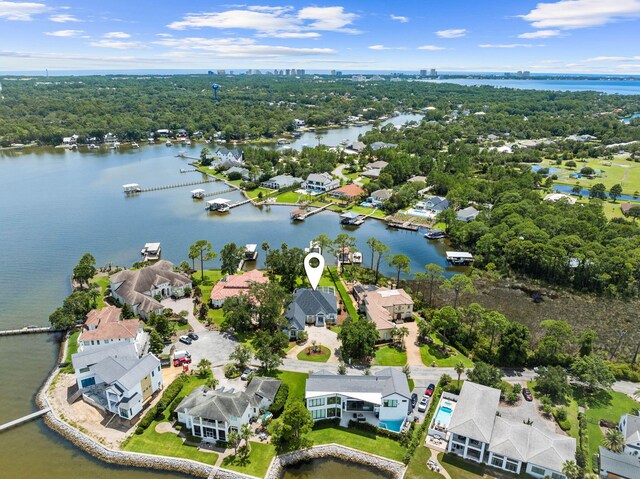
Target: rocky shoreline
[
  {"x": 194, "y": 468},
  {"x": 394, "y": 469}
]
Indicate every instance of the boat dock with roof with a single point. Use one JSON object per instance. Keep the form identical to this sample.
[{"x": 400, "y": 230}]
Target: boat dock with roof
[{"x": 459, "y": 257}]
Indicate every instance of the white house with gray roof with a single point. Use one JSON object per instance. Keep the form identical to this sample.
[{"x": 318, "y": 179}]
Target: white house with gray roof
[
  {"x": 116, "y": 380},
  {"x": 624, "y": 465},
  {"x": 212, "y": 414},
  {"x": 320, "y": 183},
  {"x": 383, "y": 399},
  {"x": 317, "y": 307},
  {"x": 281, "y": 181},
  {"x": 478, "y": 433},
  {"x": 226, "y": 158}
]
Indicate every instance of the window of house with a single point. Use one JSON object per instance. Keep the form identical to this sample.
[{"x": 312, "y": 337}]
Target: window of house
[
  {"x": 197, "y": 431},
  {"x": 511, "y": 466},
  {"x": 496, "y": 461},
  {"x": 84, "y": 370},
  {"x": 315, "y": 402},
  {"x": 333, "y": 400},
  {"x": 318, "y": 414},
  {"x": 390, "y": 403},
  {"x": 208, "y": 432},
  {"x": 124, "y": 412},
  {"x": 333, "y": 412},
  {"x": 538, "y": 470},
  {"x": 555, "y": 475}
]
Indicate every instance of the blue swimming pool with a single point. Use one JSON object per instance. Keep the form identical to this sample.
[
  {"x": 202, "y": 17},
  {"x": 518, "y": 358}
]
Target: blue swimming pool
[
  {"x": 394, "y": 426},
  {"x": 443, "y": 416}
]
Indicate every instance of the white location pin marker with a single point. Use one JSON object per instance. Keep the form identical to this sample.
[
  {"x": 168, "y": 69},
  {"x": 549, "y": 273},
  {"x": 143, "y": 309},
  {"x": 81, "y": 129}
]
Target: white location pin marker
[{"x": 314, "y": 273}]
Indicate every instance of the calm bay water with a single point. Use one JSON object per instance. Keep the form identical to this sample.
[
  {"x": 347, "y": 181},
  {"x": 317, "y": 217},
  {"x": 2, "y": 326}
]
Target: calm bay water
[
  {"x": 620, "y": 87},
  {"x": 323, "y": 468},
  {"x": 56, "y": 205}
]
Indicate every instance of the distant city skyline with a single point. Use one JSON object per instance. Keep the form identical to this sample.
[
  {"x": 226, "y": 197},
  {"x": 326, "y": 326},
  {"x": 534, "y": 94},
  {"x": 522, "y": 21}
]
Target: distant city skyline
[{"x": 562, "y": 36}]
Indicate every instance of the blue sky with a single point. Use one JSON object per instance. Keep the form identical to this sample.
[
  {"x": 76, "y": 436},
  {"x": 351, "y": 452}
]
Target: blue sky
[{"x": 586, "y": 36}]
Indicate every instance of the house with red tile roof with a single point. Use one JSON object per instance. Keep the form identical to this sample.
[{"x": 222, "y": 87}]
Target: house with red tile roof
[
  {"x": 234, "y": 285},
  {"x": 347, "y": 192},
  {"x": 104, "y": 327}
]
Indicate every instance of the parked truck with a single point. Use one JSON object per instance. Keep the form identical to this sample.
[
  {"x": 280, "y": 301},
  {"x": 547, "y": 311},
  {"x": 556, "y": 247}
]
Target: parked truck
[{"x": 180, "y": 358}]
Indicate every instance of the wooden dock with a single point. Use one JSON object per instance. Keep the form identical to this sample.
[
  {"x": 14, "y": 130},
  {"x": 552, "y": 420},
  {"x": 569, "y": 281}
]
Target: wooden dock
[
  {"x": 407, "y": 225},
  {"x": 305, "y": 215},
  {"x": 240, "y": 203},
  {"x": 178, "y": 185},
  {"x": 23, "y": 419},
  {"x": 215, "y": 193},
  {"x": 28, "y": 330},
  {"x": 182, "y": 170}
]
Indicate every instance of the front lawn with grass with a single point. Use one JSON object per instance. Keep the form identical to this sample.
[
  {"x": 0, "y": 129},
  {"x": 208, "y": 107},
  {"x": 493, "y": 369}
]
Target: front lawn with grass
[
  {"x": 417, "y": 468},
  {"x": 432, "y": 353},
  {"x": 211, "y": 277},
  {"x": 256, "y": 463},
  {"x": 346, "y": 299},
  {"x": 288, "y": 197},
  {"x": 296, "y": 382},
  {"x": 459, "y": 468},
  {"x": 255, "y": 194},
  {"x": 362, "y": 210},
  {"x": 321, "y": 357},
  {"x": 103, "y": 284},
  {"x": 358, "y": 439},
  {"x": 390, "y": 356}
]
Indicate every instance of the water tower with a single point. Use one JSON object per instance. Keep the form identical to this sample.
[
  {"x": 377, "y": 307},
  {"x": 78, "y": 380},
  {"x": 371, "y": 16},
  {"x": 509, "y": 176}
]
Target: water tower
[{"x": 215, "y": 87}]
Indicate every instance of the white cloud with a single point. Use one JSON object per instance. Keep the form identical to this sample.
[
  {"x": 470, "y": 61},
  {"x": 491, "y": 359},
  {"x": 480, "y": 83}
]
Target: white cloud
[
  {"x": 540, "y": 34},
  {"x": 379, "y": 47},
  {"x": 272, "y": 21},
  {"x": 63, "y": 18},
  {"x": 611, "y": 59},
  {"x": 235, "y": 48},
  {"x": 399, "y": 18},
  {"x": 289, "y": 35},
  {"x": 164, "y": 35},
  {"x": 125, "y": 60},
  {"x": 21, "y": 11},
  {"x": 572, "y": 14},
  {"x": 508, "y": 45},
  {"x": 432, "y": 48},
  {"x": 119, "y": 45},
  {"x": 452, "y": 33},
  {"x": 116, "y": 35},
  {"x": 65, "y": 33}
]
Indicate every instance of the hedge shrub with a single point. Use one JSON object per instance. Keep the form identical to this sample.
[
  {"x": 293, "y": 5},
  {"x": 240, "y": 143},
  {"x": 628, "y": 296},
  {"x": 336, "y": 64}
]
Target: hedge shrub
[
  {"x": 280, "y": 400},
  {"x": 156, "y": 412}
]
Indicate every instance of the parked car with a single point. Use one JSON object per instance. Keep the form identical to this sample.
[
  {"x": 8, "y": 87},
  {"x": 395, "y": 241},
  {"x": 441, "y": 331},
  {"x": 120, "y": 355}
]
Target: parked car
[
  {"x": 193, "y": 336},
  {"x": 185, "y": 339},
  {"x": 361, "y": 417},
  {"x": 414, "y": 400},
  {"x": 422, "y": 407},
  {"x": 246, "y": 373},
  {"x": 429, "y": 390},
  {"x": 527, "y": 394}
]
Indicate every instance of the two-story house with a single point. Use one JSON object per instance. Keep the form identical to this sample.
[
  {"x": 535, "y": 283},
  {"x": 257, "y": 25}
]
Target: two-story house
[
  {"x": 385, "y": 307},
  {"x": 139, "y": 288},
  {"x": 104, "y": 326},
  {"x": 477, "y": 432},
  {"x": 317, "y": 307},
  {"x": 227, "y": 158},
  {"x": 211, "y": 414},
  {"x": 320, "y": 183},
  {"x": 624, "y": 465},
  {"x": 234, "y": 285},
  {"x": 281, "y": 181},
  {"x": 114, "y": 379},
  {"x": 381, "y": 399}
]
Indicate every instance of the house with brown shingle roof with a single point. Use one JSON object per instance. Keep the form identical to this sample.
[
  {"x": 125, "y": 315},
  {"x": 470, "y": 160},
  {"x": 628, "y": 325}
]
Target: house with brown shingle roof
[
  {"x": 104, "y": 327},
  {"x": 235, "y": 285},
  {"x": 347, "y": 192},
  {"x": 138, "y": 288},
  {"x": 385, "y": 307}
]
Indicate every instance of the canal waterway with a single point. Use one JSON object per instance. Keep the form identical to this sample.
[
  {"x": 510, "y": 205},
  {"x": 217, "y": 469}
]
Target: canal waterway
[{"x": 56, "y": 205}]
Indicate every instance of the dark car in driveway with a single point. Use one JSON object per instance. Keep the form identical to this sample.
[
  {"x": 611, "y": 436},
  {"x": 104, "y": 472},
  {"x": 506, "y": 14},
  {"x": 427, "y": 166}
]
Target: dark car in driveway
[
  {"x": 527, "y": 394},
  {"x": 193, "y": 336},
  {"x": 429, "y": 390},
  {"x": 414, "y": 400}
]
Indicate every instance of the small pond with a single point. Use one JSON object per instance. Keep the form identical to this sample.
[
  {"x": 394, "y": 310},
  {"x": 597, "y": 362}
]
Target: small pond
[{"x": 328, "y": 468}]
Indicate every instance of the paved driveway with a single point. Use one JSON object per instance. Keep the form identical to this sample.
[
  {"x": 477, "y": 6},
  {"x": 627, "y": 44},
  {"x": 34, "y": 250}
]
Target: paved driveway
[
  {"x": 529, "y": 410},
  {"x": 322, "y": 336},
  {"x": 184, "y": 304},
  {"x": 212, "y": 345}
]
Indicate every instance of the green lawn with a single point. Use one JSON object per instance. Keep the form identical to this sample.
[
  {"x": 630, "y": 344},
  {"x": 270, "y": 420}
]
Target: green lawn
[
  {"x": 256, "y": 464},
  {"x": 390, "y": 356},
  {"x": 365, "y": 211},
  {"x": 288, "y": 197},
  {"x": 623, "y": 172},
  {"x": 346, "y": 299},
  {"x": 216, "y": 316},
  {"x": 315, "y": 358},
  {"x": 211, "y": 277},
  {"x": 253, "y": 194},
  {"x": 432, "y": 353},
  {"x": 72, "y": 348},
  {"x": 458, "y": 468},
  {"x": 103, "y": 283},
  {"x": 608, "y": 405},
  {"x": 358, "y": 439},
  {"x": 296, "y": 382}
]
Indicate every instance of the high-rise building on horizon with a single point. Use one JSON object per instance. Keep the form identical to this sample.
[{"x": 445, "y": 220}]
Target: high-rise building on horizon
[{"x": 423, "y": 73}]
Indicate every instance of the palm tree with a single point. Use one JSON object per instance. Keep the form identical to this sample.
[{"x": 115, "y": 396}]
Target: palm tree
[
  {"x": 571, "y": 470},
  {"x": 614, "y": 440},
  {"x": 459, "y": 367}
]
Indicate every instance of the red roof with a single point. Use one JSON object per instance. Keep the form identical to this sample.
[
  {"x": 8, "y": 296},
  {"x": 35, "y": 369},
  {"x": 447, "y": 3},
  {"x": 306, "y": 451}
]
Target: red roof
[
  {"x": 236, "y": 284},
  {"x": 351, "y": 190}
]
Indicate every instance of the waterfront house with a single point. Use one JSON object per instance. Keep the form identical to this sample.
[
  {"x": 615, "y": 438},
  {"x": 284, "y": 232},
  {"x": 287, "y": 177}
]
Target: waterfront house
[
  {"x": 235, "y": 285},
  {"x": 226, "y": 158},
  {"x": 378, "y": 197},
  {"x": 139, "y": 288},
  {"x": 357, "y": 147},
  {"x": 378, "y": 145},
  {"x": 110, "y": 139},
  {"x": 476, "y": 431},
  {"x": 386, "y": 307},
  {"x": 317, "y": 307},
  {"x": 381, "y": 399},
  {"x": 115, "y": 380},
  {"x": 624, "y": 465},
  {"x": 281, "y": 181},
  {"x": 244, "y": 173},
  {"x": 467, "y": 214},
  {"x": 320, "y": 183},
  {"x": 211, "y": 414},
  {"x": 105, "y": 326},
  {"x": 70, "y": 140},
  {"x": 347, "y": 193}
]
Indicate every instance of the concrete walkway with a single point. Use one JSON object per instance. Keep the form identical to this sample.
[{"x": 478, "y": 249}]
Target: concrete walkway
[
  {"x": 434, "y": 458},
  {"x": 411, "y": 344},
  {"x": 322, "y": 336},
  {"x": 185, "y": 304}
]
